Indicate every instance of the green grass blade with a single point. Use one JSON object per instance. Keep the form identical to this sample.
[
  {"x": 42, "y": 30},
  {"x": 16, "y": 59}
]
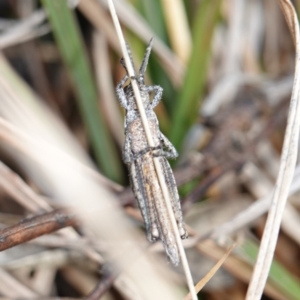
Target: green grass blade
[
  {"x": 282, "y": 279},
  {"x": 152, "y": 11},
  {"x": 69, "y": 40},
  {"x": 187, "y": 105},
  {"x": 153, "y": 14}
]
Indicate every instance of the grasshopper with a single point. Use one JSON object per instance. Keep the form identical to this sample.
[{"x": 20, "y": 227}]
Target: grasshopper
[{"x": 139, "y": 158}]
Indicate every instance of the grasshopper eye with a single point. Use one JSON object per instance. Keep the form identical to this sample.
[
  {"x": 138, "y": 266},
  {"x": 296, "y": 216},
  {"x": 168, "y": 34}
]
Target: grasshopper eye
[
  {"x": 141, "y": 80},
  {"x": 122, "y": 62}
]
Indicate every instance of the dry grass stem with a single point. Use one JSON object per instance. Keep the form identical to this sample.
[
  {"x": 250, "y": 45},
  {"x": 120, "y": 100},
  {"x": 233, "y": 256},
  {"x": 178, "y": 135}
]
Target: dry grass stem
[
  {"x": 177, "y": 25},
  {"x": 212, "y": 272},
  {"x": 160, "y": 175},
  {"x": 286, "y": 171},
  {"x": 27, "y": 29}
]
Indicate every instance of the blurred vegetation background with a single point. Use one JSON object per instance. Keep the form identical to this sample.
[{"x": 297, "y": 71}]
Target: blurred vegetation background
[{"x": 226, "y": 67}]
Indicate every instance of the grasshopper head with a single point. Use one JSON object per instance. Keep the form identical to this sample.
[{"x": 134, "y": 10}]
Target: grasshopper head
[
  {"x": 140, "y": 77},
  {"x": 144, "y": 64}
]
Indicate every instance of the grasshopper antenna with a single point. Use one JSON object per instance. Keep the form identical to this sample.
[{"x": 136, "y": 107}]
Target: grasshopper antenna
[
  {"x": 146, "y": 58},
  {"x": 122, "y": 60},
  {"x": 130, "y": 56}
]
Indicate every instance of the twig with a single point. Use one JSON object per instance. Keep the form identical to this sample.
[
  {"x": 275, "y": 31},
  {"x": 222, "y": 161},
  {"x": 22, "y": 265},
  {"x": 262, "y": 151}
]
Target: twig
[
  {"x": 33, "y": 228},
  {"x": 156, "y": 160},
  {"x": 101, "y": 288},
  {"x": 40, "y": 298}
]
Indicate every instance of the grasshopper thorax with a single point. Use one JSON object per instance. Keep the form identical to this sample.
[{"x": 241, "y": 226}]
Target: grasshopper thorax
[{"x": 131, "y": 98}]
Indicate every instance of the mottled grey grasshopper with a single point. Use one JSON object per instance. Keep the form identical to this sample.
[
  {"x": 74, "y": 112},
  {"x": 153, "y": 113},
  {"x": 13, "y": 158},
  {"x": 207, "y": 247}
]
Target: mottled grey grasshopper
[{"x": 139, "y": 158}]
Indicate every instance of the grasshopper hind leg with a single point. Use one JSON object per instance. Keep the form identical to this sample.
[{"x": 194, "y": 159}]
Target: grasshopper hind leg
[
  {"x": 172, "y": 187},
  {"x": 166, "y": 232},
  {"x": 138, "y": 185}
]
